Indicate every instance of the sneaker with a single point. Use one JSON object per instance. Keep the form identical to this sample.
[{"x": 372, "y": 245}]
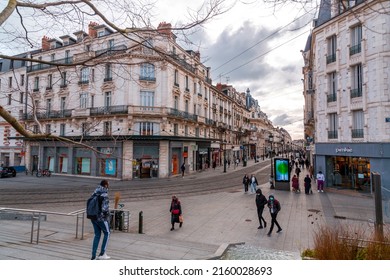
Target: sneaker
[
  {"x": 322, "y": 190},
  {"x": 318, "y": 190},
  {"x": 103, "y": 257},
  {"x": 279, "y": 230},
  {"x": 260, "y": 227}
]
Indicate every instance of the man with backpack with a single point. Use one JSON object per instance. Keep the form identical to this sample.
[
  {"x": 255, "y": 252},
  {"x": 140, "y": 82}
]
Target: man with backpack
[{"x": 99, "y": 213}]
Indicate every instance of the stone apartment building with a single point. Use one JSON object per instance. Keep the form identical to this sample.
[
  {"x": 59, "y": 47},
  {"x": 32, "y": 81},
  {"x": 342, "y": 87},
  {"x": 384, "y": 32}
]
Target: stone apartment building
[
  {"x": 141, "y": 102},
  {"x": 12, "y": 98},
  {"x": 347, "y": 92}
]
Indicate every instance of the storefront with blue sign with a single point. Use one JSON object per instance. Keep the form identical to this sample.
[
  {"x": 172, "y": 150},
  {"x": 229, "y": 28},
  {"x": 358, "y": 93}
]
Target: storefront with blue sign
[{"x": 349, "y": 165}]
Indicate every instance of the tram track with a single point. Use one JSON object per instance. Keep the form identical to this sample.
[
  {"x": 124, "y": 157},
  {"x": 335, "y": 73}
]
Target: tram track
[{"x": 68, "y": 190}]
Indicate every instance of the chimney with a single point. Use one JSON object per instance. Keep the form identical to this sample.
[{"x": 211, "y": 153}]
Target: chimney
[
  {"x": 165, "y": 28},
  {"x": 91, "y": 29},
  {"x": 45, "y": 43}
]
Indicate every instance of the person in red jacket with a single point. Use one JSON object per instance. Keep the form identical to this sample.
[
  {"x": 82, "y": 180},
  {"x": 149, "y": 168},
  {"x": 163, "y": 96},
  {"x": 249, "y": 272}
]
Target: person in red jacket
[{"x": 295, "y": 184}]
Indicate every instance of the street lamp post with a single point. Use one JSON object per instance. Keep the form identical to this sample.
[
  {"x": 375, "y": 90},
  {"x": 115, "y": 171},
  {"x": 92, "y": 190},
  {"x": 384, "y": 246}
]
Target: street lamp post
[
  {"x": 271, "y": 180},
  {"x": 224, "y": 158}
]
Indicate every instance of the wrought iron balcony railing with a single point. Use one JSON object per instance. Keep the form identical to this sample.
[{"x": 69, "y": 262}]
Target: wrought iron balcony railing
[
  {"x": 332, "y": 134},
  {"x": 357, "y": 133}
]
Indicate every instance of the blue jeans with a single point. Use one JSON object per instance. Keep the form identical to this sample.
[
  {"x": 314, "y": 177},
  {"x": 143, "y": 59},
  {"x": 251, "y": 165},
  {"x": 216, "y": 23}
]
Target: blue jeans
[
  {"x": 253, "y": 187},
  {"x": 98, "y": 228}
]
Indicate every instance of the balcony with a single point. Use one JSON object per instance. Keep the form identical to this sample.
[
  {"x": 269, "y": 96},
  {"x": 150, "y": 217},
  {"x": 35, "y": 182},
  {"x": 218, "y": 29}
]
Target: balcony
[
  {"x": 109, "y": 110},
  {"x": 84, "y": 82},
  {"x": 49, "y": 115},
  {"x": 330, "y": 58},
  {"x": 182, "y": 114},
  {"x": 111, "y": 51},
  {"x": 332, "y": 134},
  {"x": 357, "y": 133},
  {"x": 147, "y": 78},
  {"x": 183, "y": 63},
  {"x": 42, "y": 66},
  {"x": 211, "y": 122},
  {"x": 331, "y": 98},
  {"x": 107, "y": 79},
  {"x": 357, "y": 92},
  {"x": 355, "y": 49}
]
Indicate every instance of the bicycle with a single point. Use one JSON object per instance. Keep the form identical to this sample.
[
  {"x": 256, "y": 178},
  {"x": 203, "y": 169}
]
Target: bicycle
[{"x": 44, "y": 172}]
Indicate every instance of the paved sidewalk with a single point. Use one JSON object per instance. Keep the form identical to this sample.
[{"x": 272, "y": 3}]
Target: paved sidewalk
[{"x": 211, "y": 223}]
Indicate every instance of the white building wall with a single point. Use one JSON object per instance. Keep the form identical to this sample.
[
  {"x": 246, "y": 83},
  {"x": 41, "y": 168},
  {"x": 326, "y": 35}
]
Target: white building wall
[{"x": 375, "y": 59}]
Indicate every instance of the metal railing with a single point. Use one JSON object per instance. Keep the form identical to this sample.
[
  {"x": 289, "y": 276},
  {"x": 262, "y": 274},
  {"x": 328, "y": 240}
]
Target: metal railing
[{"x": 36, "y": 215}]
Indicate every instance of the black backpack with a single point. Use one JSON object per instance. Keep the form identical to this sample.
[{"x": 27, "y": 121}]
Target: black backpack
[{"x": 94, "y": 206}]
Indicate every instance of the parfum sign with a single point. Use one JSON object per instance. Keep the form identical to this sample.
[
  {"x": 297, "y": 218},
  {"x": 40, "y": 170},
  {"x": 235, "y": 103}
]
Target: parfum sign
[{"x": 344, "y": 150}]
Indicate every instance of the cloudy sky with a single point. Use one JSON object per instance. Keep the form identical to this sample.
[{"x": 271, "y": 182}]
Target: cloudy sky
[{"x": 256, "y": 46}]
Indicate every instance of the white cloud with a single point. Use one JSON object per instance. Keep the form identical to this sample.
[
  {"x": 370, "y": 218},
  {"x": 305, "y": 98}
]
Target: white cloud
[{"x": 261, "y": 51}]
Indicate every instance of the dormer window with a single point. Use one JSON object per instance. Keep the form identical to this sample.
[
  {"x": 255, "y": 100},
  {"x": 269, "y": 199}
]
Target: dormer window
[{"x": 101, "y": 33}]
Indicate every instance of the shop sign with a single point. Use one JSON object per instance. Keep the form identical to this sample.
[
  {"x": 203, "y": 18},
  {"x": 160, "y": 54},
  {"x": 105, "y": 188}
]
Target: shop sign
[
  {"x": 344, "y": 150},
  {"x": 214, "y": 145},
  {"x": 203, "y": 151}
]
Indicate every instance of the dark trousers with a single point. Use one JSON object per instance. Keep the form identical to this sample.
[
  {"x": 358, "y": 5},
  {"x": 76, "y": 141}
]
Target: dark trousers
[
  {"x": 260, "y": 215},
  {"x": 246, "y": 187},
  {"x": 274, "y": 222}
]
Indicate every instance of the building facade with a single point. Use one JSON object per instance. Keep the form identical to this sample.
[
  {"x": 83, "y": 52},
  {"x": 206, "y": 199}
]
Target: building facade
[
  {"x": 12, "y": 99},
  {"x": 134, "y": 106},
  {"x": 347, "y": 82}
]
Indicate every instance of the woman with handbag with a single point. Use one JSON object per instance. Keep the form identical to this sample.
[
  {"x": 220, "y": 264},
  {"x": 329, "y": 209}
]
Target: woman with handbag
[{"x": 175, "y": 210}]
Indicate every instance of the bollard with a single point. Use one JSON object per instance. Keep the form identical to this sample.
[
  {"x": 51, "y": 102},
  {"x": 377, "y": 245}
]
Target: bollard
[{"x": 140, "y": 222}]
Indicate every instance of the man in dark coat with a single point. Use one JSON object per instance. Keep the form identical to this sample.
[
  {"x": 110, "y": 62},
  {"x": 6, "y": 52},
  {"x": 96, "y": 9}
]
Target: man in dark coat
[{"x": 261, "y": 202}]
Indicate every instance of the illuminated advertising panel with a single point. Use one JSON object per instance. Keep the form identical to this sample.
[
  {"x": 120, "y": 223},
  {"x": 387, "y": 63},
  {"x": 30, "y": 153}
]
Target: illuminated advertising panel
[{"x": 282, "y": 173}]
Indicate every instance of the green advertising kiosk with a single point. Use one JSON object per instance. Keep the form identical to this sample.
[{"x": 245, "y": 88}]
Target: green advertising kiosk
[{"x": 282, "y": 174}]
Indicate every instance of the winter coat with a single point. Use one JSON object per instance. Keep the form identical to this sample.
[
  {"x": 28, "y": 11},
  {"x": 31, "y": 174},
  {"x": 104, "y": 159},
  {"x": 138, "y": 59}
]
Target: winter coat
[
  {"x": 295, "y": 182},
  {"x": 104, "y": 215},
  {"x": 261, "y": 201}
]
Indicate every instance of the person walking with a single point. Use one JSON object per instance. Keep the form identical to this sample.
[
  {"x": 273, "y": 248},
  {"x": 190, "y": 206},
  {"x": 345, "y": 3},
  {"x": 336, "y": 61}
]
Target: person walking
[
  {"x": 261, "y": 202},
  {"x": 175, "y": 210},
  {"x": 320, "y": 181},
  {"x": 254, "y": 183},
  {"x": 307, "y": 181},
  {"x": 245, "y": 182},
  {"x": 183, "y": 168},
  {"x": 295, "y": 184},
  {"x": 102, "y": 223},
  {"x": 297, "y": 171},
  {"x": 274, "y": 208}
]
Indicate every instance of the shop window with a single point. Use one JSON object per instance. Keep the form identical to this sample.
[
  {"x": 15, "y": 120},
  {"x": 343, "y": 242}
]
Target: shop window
[
  {"x": 108, "y": 167},
  {"x": 83, "y": 166},
  {"x": 63, "y": 165}
]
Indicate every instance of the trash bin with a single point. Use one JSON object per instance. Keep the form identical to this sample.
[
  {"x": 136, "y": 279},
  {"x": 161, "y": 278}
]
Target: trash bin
[{"x": 119, "y": 222}]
